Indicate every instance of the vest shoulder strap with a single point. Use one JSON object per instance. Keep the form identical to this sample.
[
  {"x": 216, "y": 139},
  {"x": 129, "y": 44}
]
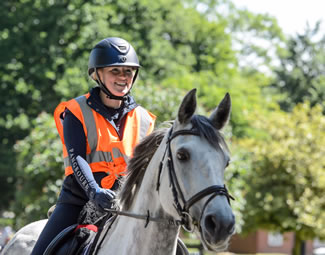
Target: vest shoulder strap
[
  {"x": 88, "y": 120},
  {"x": 147, "y": 120}
]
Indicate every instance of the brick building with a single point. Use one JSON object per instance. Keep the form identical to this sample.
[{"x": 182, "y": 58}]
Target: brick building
[{"x": 266, "y": 242}]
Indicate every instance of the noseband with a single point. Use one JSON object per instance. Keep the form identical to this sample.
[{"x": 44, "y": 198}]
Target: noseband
[{"x": 183, "y": 211}]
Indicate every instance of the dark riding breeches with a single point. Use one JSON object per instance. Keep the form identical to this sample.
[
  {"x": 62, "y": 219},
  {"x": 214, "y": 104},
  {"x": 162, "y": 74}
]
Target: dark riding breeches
[
  {"x": 63, "y": 216},
  {"x": 70, "y": 203}
]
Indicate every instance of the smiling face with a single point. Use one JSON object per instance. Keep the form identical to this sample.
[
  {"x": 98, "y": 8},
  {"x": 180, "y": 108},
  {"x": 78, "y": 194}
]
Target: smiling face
[{"x": 117, "y": 79}]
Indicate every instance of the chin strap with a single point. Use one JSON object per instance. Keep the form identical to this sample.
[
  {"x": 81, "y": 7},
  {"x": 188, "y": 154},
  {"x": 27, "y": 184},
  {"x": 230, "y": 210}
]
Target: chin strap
[{"x": 109, "y": 94}]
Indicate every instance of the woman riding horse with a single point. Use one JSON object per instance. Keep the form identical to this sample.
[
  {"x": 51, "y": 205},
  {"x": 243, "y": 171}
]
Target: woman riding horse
[
  {"x": 175, "y": 178},
  {"x": 102, "y": 127}
]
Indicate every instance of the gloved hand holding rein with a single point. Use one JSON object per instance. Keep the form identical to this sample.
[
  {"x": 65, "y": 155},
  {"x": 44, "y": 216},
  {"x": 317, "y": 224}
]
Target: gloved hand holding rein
[{"x": 101, "y": 197}]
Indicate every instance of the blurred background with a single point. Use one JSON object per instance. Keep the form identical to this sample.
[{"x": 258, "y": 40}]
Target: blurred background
[{"x": 271, "y": 63}]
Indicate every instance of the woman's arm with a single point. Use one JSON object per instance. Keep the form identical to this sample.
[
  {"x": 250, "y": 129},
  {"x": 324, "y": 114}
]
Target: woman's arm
[{"x": 75, "y": 141}]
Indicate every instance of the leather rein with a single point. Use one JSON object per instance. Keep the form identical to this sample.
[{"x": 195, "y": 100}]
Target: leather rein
[{"x": 186, "y": 219}]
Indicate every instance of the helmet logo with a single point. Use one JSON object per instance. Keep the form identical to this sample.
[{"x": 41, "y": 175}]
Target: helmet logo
[{"x": 122, "y": 58}]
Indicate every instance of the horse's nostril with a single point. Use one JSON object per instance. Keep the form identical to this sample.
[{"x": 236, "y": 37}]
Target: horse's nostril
[
  {"x": 211, "y": 225},
  {"x": 217, "y": 229}
]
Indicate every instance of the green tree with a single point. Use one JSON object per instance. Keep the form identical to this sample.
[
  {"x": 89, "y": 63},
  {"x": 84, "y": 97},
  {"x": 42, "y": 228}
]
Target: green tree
[
  {"x": 40, "y": 171},
  {"x": 301, "y": 75},
  {"x": 285, "y": 187},
  {"x": 35, "y": 41}
]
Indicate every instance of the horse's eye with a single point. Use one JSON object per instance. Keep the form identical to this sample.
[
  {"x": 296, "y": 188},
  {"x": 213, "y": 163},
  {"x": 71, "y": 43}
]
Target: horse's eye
[{"x": 182, "y": 155}]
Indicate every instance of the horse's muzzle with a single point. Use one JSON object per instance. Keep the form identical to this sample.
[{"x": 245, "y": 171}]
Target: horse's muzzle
[{"x": 217, "y": 230}]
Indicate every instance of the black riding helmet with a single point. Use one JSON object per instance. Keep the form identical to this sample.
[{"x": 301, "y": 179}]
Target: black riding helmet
[{"x": 112, "y": 51}]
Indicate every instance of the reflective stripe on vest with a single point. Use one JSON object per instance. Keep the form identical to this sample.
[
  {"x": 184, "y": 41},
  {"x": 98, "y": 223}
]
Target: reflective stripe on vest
[{"x": 145, "y": 122}]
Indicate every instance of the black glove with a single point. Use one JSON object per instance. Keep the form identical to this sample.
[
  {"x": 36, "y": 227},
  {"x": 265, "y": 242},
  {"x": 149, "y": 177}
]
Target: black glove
[{"x": 102, "y": 198}]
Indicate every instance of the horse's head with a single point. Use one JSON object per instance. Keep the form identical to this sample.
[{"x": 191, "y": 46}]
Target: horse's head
[{"x": 191, "y": 180}]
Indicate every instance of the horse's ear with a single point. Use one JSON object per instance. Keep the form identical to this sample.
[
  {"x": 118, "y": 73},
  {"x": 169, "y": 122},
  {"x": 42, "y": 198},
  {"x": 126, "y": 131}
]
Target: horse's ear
[
  {"x": 220, "y": 116},
  {"x": 187, "y": 107}
]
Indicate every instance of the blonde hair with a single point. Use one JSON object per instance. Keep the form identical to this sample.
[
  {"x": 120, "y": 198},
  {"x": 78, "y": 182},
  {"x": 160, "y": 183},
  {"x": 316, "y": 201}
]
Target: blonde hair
[{"x": 93, "y": 76}]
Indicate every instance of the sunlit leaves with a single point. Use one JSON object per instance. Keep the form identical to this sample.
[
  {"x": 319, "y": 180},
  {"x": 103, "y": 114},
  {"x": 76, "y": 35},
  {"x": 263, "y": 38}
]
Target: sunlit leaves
[
  {"x": 40, "y": 170},
  {"x": 286, "y": 185},
  {"x": 301, "y": 74}
]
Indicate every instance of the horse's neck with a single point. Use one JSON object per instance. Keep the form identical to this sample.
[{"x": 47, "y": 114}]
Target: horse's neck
[{"x": 130, "y": 236}]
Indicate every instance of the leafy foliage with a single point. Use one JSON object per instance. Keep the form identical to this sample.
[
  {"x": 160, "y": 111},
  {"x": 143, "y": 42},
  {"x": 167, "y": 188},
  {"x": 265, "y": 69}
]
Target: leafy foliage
[
  {"x": 35, "y": 47},
  {"x": 40, "y": 170},
  {"x": 301, "y": 75},
  {"x": 286, "y": 184}
]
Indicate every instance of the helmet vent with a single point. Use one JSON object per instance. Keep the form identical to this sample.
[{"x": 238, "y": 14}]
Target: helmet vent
[{"x": 121, "y": 48}]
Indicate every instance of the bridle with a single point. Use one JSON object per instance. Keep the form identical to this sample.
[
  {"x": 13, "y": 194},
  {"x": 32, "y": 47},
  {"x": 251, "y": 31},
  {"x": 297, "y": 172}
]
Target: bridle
[
  {"x": 186, "y": 219},
  {"x": 183, "y": 211}
]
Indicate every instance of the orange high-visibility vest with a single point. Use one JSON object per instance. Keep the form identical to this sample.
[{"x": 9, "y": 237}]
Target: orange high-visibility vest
[{"x": 105, "y": 151}]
